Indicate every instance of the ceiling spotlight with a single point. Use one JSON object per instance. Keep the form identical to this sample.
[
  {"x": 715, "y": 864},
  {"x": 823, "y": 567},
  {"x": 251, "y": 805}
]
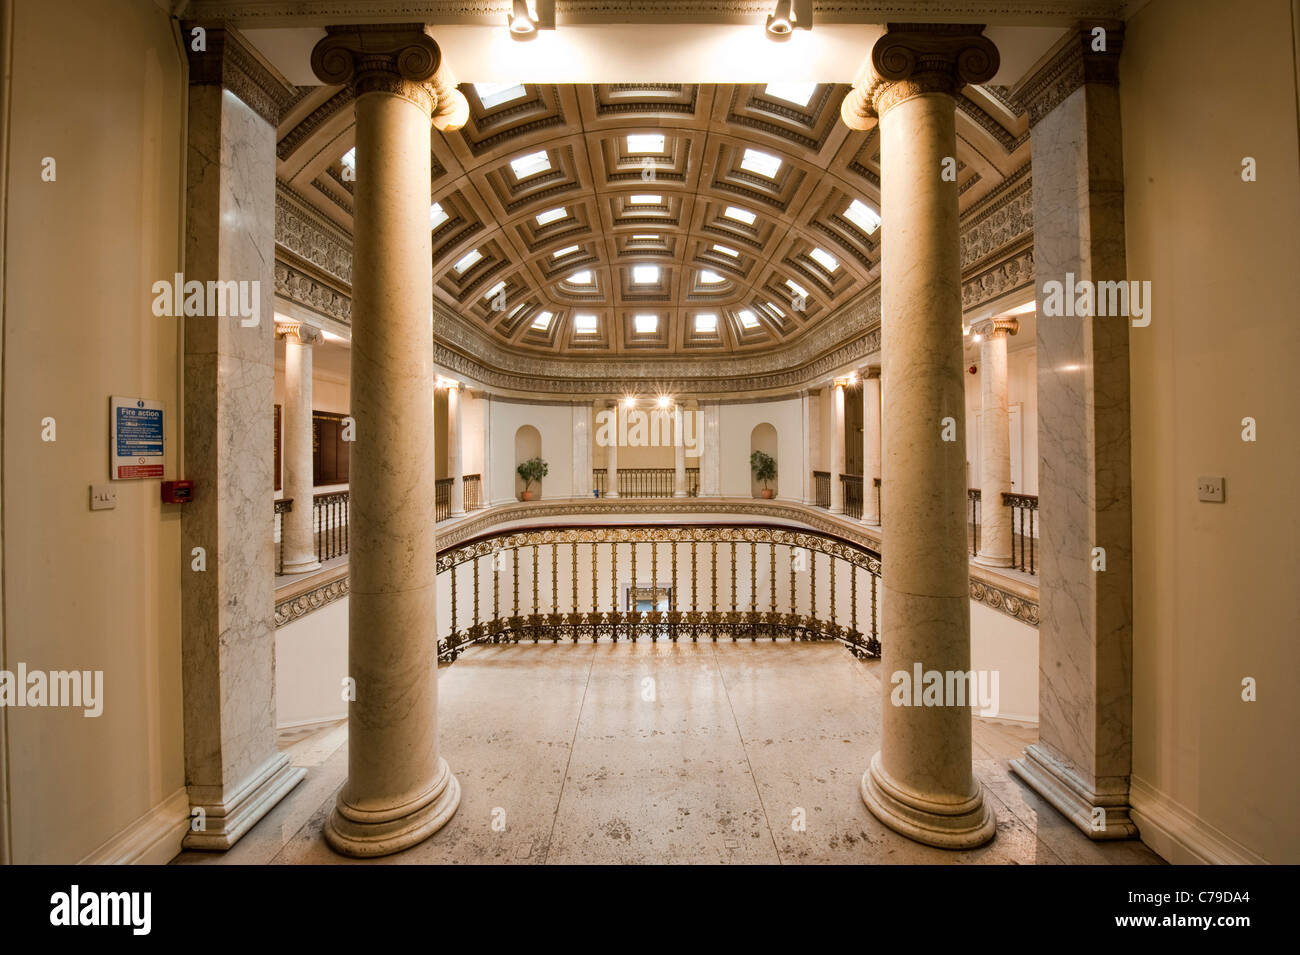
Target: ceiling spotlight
[
  {"x": 664, "y": 401},
  {"x": 629, "y": 401},
  {"x": 524, "y": 24},
  {"x": 785, "y": 20}
]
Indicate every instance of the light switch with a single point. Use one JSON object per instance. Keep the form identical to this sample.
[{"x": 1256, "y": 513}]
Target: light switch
[
  {"x": 1210, "y": 489},
  {"x": 103, "y": 497}
]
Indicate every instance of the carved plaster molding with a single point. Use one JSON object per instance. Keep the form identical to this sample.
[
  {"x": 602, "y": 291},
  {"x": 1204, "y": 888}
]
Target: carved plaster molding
[
  {"x": 230, "y": 61},
  {"x": 1069, "y": 65}
]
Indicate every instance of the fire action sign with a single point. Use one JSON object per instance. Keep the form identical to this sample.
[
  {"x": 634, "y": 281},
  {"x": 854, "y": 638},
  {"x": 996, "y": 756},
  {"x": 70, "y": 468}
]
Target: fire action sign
[{"x": 136, "y": 442}]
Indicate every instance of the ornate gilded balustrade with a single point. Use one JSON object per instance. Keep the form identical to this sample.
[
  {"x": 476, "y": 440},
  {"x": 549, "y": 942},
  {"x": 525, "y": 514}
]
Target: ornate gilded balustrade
[{"x": 677, "y": 582}]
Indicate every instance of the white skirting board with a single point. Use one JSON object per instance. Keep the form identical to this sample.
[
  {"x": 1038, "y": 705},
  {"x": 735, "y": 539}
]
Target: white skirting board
[
  {"x": 153, "y": 839},
  {"x": 1178, "y": 835}
]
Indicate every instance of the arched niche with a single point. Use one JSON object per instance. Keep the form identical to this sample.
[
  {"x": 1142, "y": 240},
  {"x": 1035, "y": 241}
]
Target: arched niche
[
  {"x": 528, "y": 444},
  {"x": 763, "y": 438}
]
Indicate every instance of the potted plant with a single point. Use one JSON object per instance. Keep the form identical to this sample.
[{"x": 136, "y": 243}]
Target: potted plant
[
  {"x": 534, "y": 469},
  {"x": 764, "y": 468}
]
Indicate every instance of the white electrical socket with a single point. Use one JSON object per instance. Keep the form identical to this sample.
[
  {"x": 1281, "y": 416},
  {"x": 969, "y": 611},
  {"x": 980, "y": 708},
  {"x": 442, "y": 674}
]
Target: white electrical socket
[{"x": 1210, "y": 489}]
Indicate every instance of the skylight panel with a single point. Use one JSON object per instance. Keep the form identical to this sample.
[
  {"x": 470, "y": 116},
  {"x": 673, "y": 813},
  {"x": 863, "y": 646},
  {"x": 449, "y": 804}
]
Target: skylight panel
[
  {"x": 740, "y": 215},
  {"x": 531, "y": 164},
  {"x": 747, "y": 318},
  {"x": 862, "y": 216},
  {"x": 706, "y": 322},
  {"x": 710, "y": 277},
  {"x": 764, "y": 164},
  {"x": 797, "y": 93},
  {"x": 491, "y": 293},
  {"x": 642, "y": 143},
  {"x": 467, "y": 261},
  {"x": 350, "y": 159},
  {"x": 567, "y": 250},
  {"x": 580, "y": 278},
  {"x": 543, "y": 321},
  {"x": 645, "y": 274},
  {"x": 646, "y": 324},
  {"x": 824, "y": 259},
  {"x": 645, "y": 200},
  {"x": 643, "y": 237},
  {"x": 552, "y": 215},
  {"x": 798, "y": 289},
  {"x": 494, "y": 94},
  {"x": 726, "y": 250},
  {"x": 584, "y": 324},
  {"x": 437, "y": 215}
]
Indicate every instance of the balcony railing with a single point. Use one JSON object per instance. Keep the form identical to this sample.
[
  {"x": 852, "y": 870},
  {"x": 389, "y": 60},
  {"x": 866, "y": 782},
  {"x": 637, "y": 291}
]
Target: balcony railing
[
  {"x": 646, "y": 482},
  {"x": 852, "y": 487},
  {"x": 973, "y": 498},
  {"x": 1024, "y": 513},
  {"x": 329, "y": 526},
  {"x": 822, "y": 488},
  {"x": 442, "y": 498},
  {"x": 473, "y": 485},
  {"x": 669, "y": 582}
]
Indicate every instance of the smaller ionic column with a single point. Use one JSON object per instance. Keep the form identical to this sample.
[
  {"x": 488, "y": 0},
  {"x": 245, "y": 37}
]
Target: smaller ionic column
[
  {"x": 870, "y": 445},
  {"x": 455, "y": 460},
  {"x": 995, "y": 442},
  {"x": 679, "y": 454},
  {"x": 297, "y": 532},
  {"x": 611, "y": 454},
  {"x": 710, "y": 462},
  {"x": 837, "y": 447}
]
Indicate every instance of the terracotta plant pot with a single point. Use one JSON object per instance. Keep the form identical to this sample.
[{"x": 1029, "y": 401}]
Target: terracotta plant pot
[
  {"x": 525, "y": 495},
  {"x": 767, "y": 493}
]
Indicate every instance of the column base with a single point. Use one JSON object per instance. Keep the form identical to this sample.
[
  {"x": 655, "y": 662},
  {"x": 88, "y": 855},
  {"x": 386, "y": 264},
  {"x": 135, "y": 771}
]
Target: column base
[
  {"x": 680, "y": 494},
  {"x": 961, "y": 825},
  {"x": 1099, "y": 815},
  {"x": 229, "y": 813},
  {"x": 988, "y": 560},
  {"x": 611, "y": 494},
  {"x": 871, "y": 522},
  {"x": 300, "y": 566},
  {"x": 367, "y": 834},
  {"x": 455, "y": 513}
]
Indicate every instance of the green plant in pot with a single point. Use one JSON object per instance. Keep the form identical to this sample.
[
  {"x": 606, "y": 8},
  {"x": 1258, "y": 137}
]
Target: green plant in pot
[
  {"x": 534, "y": 469},
  {"x": 764, "y": 467}
]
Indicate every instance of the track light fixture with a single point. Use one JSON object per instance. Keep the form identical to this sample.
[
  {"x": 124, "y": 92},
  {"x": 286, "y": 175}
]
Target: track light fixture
[
  {"x": 524, "y": 24},
  {"x": 789, "y": 16}
]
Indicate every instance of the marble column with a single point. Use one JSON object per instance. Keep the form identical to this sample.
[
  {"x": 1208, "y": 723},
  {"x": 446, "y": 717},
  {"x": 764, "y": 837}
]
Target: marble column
[
  {"x": 1083, "y": 757},
  {"x": 455, "y": 459},
  {"x": 234, "y": 771},
  {"x": 679, "y": 454},
  {"x": 921, "y": 782},
  {"x": 995, "y": 442},
  {"x": 399, "y": 789},
  {"x": 487, "y": 493},
  {"x": 297, "y": 527},
  {"x": 837, "y": 446},
  {"x": 611, "y": 453},
  {"x": 710, "y": 451},
  {"x": 582, "y": 436},
  {"x": 870, "y": 445},
  {"x": 808, "y": 407}
]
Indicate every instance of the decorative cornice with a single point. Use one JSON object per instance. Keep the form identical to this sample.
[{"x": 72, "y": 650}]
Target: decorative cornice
[
  {"x": 292, "y": 608},
  {"x": 230, "y": 61},
  {"x": 1069, "y": 65}
]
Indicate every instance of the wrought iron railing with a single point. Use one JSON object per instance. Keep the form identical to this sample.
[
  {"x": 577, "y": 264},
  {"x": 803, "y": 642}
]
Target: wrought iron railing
[
  {"x": 852, "y": 486},
  {"x": 973, "y": 497},
  {"x": 282, "y": 507},
  {"x": 442, "y": 498},
  {"x": 1024, "y": 511},
  {"x": 473, "y": 486},
  {"x": 671, "y": 582},
  {"x": 330, "y": 522},
  {"x": 879, "y": 513},
  {"x": 646, "y": 482},
  {"x": 822, "y": 488}
]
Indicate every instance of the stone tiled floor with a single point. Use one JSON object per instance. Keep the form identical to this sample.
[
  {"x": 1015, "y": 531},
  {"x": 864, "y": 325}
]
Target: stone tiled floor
[{"x": 624, "y": 753}]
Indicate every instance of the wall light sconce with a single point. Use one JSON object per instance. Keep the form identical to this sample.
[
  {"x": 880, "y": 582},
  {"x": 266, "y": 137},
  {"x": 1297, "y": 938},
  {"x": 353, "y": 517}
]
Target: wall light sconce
[
  {"x": 629, "y": 402},
  {"x": 790, "y": 15},
  {"x": 524, "y": 24},
  {"x": 665, "y": 401}
]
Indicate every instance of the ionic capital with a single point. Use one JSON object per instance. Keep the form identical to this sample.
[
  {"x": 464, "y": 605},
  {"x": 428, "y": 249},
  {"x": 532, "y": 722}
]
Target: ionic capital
[
  {"x": 299, "y": 332},
  {"x": 916, "y": 58},
  {"x": 871, "y": 373},
  {"x": 401, "y": 59},
  {"x": 995, "y": 327}
]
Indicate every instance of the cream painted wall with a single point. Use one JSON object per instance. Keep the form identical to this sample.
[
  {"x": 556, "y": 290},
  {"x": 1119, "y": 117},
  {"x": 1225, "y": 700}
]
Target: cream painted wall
[
  {"x": 555, "y": 423},
  {"x": 311, "y": 660},
  {"x": 1215, "y": 585},
  {"x": 735, "y": 424},
  {"x": 91, "y": 590},
  {"x": 472, "y": 421}
]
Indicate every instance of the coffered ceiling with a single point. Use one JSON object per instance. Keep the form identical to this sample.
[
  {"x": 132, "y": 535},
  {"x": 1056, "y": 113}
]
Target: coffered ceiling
[{"x": 620, "y": 220}]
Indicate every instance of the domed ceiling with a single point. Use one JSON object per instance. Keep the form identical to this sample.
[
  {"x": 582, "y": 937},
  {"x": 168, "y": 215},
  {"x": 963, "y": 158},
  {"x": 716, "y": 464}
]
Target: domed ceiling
[{"x": 653, "y": 220}]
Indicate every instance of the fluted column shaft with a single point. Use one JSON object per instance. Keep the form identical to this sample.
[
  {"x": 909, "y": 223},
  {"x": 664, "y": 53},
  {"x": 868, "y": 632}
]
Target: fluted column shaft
[
  {"x": 399, "y": 789},
  {"x": 837, "y": 448},
  {"x": 679, "y": 454},
  {"x": 870, "y": 446},
  {"x": 921, "y": 782},
  {"x": 995, "y": 443},
  {"x": 611, "y": 454},
  {"x": 455, "y": 459},
  {"x": 710, "y": 462},
  {"x": 297, "y": 533}
]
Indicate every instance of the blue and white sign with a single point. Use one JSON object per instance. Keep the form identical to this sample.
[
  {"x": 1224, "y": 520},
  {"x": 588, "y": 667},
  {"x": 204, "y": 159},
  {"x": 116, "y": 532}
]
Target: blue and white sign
[{"x": 136, "y": 440}]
